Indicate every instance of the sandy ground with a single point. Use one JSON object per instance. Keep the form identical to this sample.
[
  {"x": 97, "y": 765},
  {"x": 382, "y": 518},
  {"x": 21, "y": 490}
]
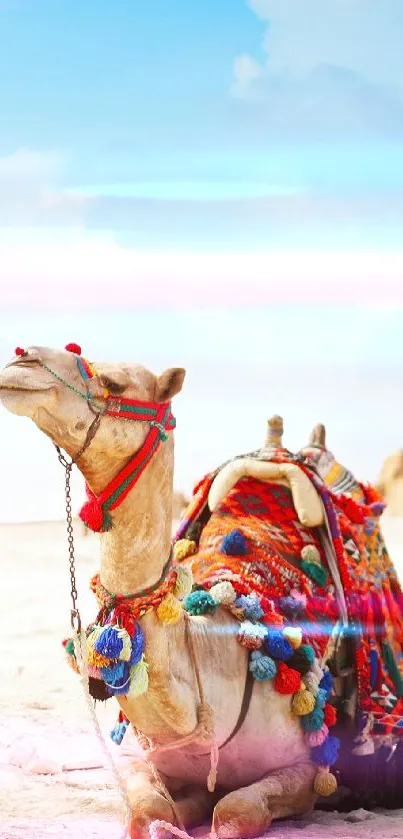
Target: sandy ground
[{"x": 54, "y": 781}]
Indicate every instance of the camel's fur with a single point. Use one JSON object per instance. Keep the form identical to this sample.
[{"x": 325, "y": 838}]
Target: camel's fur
[{"x": 265, "y": 772}]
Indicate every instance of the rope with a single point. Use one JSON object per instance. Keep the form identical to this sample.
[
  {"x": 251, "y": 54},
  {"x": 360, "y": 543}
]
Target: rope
[
  {"x": 80, "y": 648},
  {"x": 169, "y": 828},
  {"x": 205, "y": 716}
]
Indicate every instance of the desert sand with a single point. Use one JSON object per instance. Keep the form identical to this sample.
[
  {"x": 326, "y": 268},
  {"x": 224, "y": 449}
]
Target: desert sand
[{"x": 54, "y": 781}]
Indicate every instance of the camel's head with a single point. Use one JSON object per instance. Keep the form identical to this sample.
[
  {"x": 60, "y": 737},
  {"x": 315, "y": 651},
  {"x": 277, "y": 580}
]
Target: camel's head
[{"x": 59, "y": 391}]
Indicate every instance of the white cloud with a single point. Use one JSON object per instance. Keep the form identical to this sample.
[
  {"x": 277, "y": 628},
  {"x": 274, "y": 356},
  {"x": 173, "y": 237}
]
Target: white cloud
[
  {"x": 30, "y": 192},
  {"x": 363, "y": 36},
  {"x": 29, "y": 164},
  {"x": 246, "y": 71},
  {"x": 335, "y": 61}
]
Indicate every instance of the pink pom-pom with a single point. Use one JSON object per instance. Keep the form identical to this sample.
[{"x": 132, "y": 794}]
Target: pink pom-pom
[
  {"x": 316, "y": 738},
  {"x": 92, "y": 515},
  {"x": 19, "y": 351},
  {"x": 73, "y": 348}
]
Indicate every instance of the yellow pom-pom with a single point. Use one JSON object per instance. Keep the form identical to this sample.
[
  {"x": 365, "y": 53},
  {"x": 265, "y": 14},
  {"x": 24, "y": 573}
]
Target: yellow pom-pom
[
  {"x": 93, "y": 658},
  {"x": 293, "y": 635},
  {"x": 170, "y": 610},
  {"x": 325, "y": 783},
  {"x": 303, "y": 703},
  {"x": 97, "y": 660},
  {"x": 184, "y": 582},
  {"x": 310, "y": 553},
  {"x": 138, "y": 679},
  {"x": 223, "y": 593},
  {"x": 127, "y": 645},
  {"x": 184, "y": 548}
]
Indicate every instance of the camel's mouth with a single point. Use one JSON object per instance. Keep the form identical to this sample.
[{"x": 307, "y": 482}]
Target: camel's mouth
[{"x": 18, "y": 389}]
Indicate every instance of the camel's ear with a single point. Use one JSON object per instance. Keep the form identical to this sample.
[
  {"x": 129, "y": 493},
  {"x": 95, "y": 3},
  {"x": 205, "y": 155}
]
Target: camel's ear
[
  {"x": 115, "y": 381},
  {"x": 169, "y": 383}
]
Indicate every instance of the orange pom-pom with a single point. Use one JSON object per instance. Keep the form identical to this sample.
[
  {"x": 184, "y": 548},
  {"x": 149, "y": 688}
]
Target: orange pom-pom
[
  {"x": 75, "y": 348},
  {"x": 287, "y": 680},
  {"x": 330, "y": 715}
]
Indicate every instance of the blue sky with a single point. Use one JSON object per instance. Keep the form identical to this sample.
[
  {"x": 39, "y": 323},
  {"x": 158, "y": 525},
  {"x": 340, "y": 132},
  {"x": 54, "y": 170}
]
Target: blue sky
[
  {"x": 214, "y": 184},
  {"x": 205, "y": 124}
]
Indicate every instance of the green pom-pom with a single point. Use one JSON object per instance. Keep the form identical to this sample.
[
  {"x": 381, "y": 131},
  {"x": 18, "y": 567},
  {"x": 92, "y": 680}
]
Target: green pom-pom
[
  {"x": 315, "y": 572},
  {"x": 309, "y": 652},
  {"x": 199, "y": 603},
  {"x": 70, "y": 647}
]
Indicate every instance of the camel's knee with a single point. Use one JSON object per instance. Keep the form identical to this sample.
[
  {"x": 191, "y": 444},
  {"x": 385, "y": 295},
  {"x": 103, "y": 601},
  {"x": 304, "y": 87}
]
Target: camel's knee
[{"x": 243, "y": 813}]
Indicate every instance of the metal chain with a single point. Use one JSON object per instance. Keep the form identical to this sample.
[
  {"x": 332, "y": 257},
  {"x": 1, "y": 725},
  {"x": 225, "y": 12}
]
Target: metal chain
[
  {"x": 68, "y": 466},
  {"x": 75, "y": 614}
]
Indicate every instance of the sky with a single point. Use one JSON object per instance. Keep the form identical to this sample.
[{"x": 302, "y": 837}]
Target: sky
[{"x": 212, "y": 184}]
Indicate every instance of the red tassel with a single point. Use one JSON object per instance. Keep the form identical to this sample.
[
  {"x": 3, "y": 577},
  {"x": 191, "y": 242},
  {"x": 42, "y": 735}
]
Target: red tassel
[
  {"x": 73, "y": 348},
  {"x": 19, "y": 351},
  {"x": 350, "y": 508},
  {"x": 92, "y": 515},
  {"x": 287, "y": 680},
  {"x": 330, "y": 715}
]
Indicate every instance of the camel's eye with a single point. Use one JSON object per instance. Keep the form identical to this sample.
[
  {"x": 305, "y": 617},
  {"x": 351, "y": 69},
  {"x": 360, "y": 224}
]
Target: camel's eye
[{"x": 112, "y": 385}]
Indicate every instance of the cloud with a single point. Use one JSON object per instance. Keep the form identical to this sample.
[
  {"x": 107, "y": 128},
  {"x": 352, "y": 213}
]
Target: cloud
[
  {"x": 30, "y": 191},
  {"x": 329, "y": 67},
  {"x": 95, "y": 273}
]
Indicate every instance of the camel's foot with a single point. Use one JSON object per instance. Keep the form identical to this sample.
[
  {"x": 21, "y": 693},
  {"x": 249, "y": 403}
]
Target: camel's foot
[{"x": 249, "y": 811}]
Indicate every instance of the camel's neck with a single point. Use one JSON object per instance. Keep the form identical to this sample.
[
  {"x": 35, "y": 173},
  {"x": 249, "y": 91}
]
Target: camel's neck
[{"x": 135, "y": 550}]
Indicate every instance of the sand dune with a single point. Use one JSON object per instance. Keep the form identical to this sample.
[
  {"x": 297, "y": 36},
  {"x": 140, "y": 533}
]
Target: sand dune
[{"x": 53, "y": 778}]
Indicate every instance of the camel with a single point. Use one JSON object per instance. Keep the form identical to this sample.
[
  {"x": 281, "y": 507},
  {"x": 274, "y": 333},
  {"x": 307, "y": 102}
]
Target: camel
[
  {"x": 390, "y": 483},
  {"x": 189, "y": 701}
]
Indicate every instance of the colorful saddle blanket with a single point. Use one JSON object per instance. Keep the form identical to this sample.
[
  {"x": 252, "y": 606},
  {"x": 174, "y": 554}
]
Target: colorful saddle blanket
[{"x": 255, "y": 540}]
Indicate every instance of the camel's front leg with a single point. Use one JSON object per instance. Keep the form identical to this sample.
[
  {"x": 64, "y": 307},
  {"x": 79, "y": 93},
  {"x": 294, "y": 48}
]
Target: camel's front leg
[
  {"x": 192, "y": 805},
  {"x": 249, "y": 811}
]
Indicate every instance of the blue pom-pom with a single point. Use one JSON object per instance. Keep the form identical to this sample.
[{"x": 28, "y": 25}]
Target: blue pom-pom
[
  {"x": 118, "y": 732},
  {"x": 326, "y": 683},
  {"x": 119, "y": 685},
  {"x": 109, "y": 644},
  {"x": 234, "y": 544},
  {"x": 113, "y": 673},
  {"x": 277, "y": 645},
  {"x": 250, "y": 605},
  {"x": 262, "y": 667},
  {"x": 290, "y": 607},
  {"x": 321, "y": 698},
  {"x": 313, "y": 721},
  {"x": 327, "y": 753},
  {"x": 138, "y": 645},
  {"x": 199, "y": 603}
]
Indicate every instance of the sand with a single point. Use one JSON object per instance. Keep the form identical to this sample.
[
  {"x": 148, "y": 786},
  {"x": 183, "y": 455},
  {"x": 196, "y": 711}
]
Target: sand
[{"x": 54, "y": 781}]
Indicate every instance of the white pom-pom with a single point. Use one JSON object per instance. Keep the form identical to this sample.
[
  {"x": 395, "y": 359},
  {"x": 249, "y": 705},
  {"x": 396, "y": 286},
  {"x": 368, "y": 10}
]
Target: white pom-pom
[{"x": 223, "y": 593}]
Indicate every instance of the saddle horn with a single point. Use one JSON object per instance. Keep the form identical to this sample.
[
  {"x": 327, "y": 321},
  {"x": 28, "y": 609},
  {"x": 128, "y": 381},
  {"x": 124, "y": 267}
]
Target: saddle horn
[
  {"x": 318, "y": 436},
  {"x": 274, "y": 436}
]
